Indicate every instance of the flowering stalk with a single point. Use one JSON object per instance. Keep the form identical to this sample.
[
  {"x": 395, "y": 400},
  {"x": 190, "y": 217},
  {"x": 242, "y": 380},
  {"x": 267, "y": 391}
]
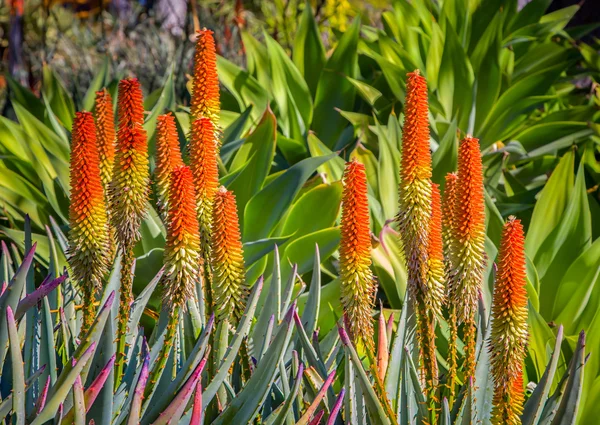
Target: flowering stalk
[
  {"x": 88, "y": 237},
  {"x": 105, "y": 135},
  {"x": 467, "y": 254},
  {"x": 358, "y": 284},
  {"x": 229, "y": 275},
  {"x": 181, "y": 257},
  {"x": 205, "y": 92},
  {"x": 448, "y": 223},
  {"x": 168, "y": 157},
  {"x": 508, "y": 340},
  {"x": 415, "y": 220},
  {"x": 203, "y": 163},
  {"x": 128, "y": 196}
]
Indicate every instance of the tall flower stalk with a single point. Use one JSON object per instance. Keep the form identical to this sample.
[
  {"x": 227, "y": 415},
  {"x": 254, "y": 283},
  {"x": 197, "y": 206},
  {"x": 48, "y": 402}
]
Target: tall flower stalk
[
  {"x": 205, "y": 92},
  {"x": 181, "y": 256},
  {"x": 508, "y": 340},
  {"x": 168, "y": 157},
  {"x": 229, "y": 274},
  {"x": 203, "y": 163},
  {"x": 358, "y": 284},
  {"x": 129, "y": 191},
  {"x": 88, "y": 236},
  {"x": 467, "y": 254},
  {"x": 415, "y": 220},
  {"x": 448, "y": 225}
]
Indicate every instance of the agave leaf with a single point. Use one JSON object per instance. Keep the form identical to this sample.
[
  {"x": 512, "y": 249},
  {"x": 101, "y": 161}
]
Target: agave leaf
[
  {"x": 280, "y": 418},
  {"x": 309, "y": 350},
  {"x": 63, "y": 386},
  {"x": 138, "y": 306},
  {"x": 48, "y": 354},
  {"x": 197, "y": 413},
  {"x": 123, "y": 397},
  {"x": 175, "y": 409},
  {"x": 422, "y": 412},
  {"x": 465, "y": 415},
  {"x": 236, "y": 342},
  {"x": 18, "y": 378},
  {"x": 392, "y": 379},
  {"x": 337, "y": 408},
  {"x": 78, "y": 402},
  {"x": 445, "y": 414},
  {"x": 271, "y": 306},
  {"x": 245, "y": 406},
  {"x": 483, "y": 393},
  {"x": 6, "y": 404},
  {"x": 10, "y": 298},
  {"x": 376, "y": 410},
  {"x": 310, "y": 315},
  {"x": 316, "y": 401},
  {"x": 289, "y": 288},
  {"x": 535, "y": 404},
  {"x": 350, "y": 404},
  {"x": 566, "y": 413},
  {"x": 34, "y": 297}
]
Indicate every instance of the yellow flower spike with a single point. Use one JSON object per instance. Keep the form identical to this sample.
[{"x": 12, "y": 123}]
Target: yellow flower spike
[
  {"x": 468, "y": 244},
  {"x": 203, "y": 163},
  {"x": 105, "y": 135},
  {"x": 508, "y": 340},
  {"x": 205, "y": 92},
  {"x": 229, "y": 275},
  {"x": 358, "y": 284},
  {"x": 88, "y": 237},
  {"x": 168, "y": 157}
]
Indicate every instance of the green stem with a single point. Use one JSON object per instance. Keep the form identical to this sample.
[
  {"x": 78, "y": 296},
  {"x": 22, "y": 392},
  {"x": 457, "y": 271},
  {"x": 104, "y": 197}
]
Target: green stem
[
  {"x": 427, "y": 348},
  {"x": 470, "y": 343},
  {"x": 452, "y": 355},
  {"x": 125, "y": 301}
]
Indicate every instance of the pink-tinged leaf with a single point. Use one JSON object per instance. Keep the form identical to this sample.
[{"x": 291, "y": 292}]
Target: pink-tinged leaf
[
  {"x": 41, "y": 401},
  {"x": 336, "y": 407},
  {"x": 42, "y": 291},
  {"x": 197, "y": 413},
  {"x": 344, "y": 336},
  {"x": 382, "y": 347},
  {"x": 3, "y": 287},
  {"x": 313, "y": 407},
  {"x": 78, "y": 402},
  {"x": 390, "y": 326},
  {"x": 138, "y": 396},
  {"x": 179, "y": 403},
  {"x": 317, "y": 418}
]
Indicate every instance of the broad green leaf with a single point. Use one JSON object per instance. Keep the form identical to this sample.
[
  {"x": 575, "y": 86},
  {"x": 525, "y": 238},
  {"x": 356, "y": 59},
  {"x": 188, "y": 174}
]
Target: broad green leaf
[
  {"x": 308, "y": 52},
  {"x": 244, "y": 87},
  {"x": 388, "y": 166},
  {"x": 551, "y": 204},
  {"x": 100, "y": 80},
  {"x": 334, "y": 91},
  {"x": 332, "y": 170},
  {"x": 164, "y": 103},
  {"x": 541, "y": 337},
  {"x": 60, "y": 101},
  {"x": 255, "y": 156},
  {"x": 301, "y": 250},
  {"x": 290, "y": 92},
  {"x": 257, "y": 59},
  {"x": 566, "y": 242},
  {"x": 268, "y": 206}
]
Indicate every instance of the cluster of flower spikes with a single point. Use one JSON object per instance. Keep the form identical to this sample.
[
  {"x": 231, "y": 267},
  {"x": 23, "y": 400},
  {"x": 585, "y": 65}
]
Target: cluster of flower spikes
[
  {"x": 168, "y": 157},
  {"x": 420, "y": 225},
  {"x": 229, "y": 275},
  {"x": 89, "y": 234},
  {"x": 508, "y": 339},
  {"x": 467, "y": 245},
  {"x": 358, "y": 284}
]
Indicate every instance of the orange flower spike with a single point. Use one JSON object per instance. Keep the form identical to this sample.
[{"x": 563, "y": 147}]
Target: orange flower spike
[
  {"x": 168, "y": 157},
  {"x": 182, "y": 250},
  {"x": 508, "y": 340},
  {"x": 435, "y": 295},
  {"x": 229, "y": 275},
  {"x": 130, "y": 185},
  {"x": 468, "y": 246},
  {"x": 88, "y": 237},
  {"x": 205, "y": 91},
  {"x": 105, "y": 135},
  {"x": 203, "y": 162},
  {"x": 358, "y": 284}
]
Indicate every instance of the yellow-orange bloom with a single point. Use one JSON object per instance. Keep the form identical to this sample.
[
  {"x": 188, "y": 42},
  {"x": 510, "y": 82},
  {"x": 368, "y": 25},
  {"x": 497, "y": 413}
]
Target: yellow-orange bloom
[
  {"x": 88, "y": 236},
  {"x": 468, "y": 242},
  {"x": 448, "y": 210},
  {"x": 130, "y": 184},
  {"x": 182, "y": 250},
  {"x": 105, "y": 135},
  {"x": 508, "y": 340},
  {"x": 229, "y": 275},
  {"x": 434, "y": 296},
  {"x": 205, "y": 92},
  {"x": 358, "y": 284},
  {"x": 168, "y": 157}
]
